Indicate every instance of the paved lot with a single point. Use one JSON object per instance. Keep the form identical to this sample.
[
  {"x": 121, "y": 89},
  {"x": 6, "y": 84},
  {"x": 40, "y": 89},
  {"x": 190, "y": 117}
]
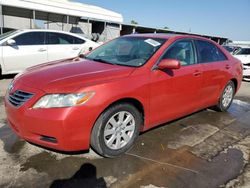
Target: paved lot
[{"x": 206, "y": 149}]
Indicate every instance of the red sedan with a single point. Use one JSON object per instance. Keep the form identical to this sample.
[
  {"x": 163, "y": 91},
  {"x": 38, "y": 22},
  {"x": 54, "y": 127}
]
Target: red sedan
[{"x": 126, "y": 86}]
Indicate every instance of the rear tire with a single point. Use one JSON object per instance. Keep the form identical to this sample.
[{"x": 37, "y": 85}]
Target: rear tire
[
  {"x": 226, "y": 97},
  {"x": 116, "y": 130}
]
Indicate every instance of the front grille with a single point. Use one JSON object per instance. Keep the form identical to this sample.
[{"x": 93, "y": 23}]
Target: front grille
[{"x": 18, "y": 98}]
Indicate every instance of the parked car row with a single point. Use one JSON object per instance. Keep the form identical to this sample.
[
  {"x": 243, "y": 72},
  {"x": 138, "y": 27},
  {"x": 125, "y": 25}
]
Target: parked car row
[{"x": 21, "y": 49}]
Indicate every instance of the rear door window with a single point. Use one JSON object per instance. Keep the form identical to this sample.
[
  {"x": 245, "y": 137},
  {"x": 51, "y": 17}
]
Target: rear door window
[
  {"x": 62, "y": 39},
  {"x": 59, "y": 38},
  {"x": 31, "y": 38},
  {"x": 208, "y": 52}
]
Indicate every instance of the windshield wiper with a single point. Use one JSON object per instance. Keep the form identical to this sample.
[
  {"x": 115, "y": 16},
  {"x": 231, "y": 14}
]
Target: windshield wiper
[{"x": 102, "y": 61}]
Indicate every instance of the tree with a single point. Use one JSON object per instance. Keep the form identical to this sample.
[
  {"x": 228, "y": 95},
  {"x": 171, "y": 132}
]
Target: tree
[
  {"x": 134, "y": 22},
  {"x": 166, "y": 27}
]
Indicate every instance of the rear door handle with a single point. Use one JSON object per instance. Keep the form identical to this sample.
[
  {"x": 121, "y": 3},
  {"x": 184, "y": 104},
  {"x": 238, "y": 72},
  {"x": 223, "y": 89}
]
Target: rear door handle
[
  {"x": 42, "y": 50},
  {"x": 197, "y": 73},
  {"x": 76, "y": 48},
  {"x": 227, "y": 66}
]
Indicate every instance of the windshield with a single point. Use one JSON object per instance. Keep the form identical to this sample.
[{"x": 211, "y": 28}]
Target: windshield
[
  {"x": 127, "y": 51},
  {"x": 243, "y": 51},
  {"x": 7, "y": 34}
]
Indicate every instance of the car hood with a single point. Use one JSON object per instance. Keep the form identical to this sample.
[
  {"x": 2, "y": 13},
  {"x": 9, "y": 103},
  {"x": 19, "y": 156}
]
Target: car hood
[{"x": 71, "y": 75}]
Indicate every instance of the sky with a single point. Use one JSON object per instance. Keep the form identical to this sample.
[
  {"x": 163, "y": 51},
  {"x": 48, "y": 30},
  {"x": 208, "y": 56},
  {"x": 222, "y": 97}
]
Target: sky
[{"x": 227, "y": 18}]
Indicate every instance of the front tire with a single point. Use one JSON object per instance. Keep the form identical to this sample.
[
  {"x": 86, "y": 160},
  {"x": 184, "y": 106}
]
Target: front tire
[
  {"x": 116, "y": 130},
  {"x": 226, "y": 97}
]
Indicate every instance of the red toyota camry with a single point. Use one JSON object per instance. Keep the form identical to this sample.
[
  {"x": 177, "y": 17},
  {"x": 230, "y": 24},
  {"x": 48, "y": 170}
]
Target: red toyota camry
[{"x": 126, "y": 86}]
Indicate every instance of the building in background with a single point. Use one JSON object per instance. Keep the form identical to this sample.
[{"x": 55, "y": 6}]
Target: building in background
[
  {"x": 60, "y": 15},
  {"x": 94, "y": 22},
  {"x": 240, "y": 43}
]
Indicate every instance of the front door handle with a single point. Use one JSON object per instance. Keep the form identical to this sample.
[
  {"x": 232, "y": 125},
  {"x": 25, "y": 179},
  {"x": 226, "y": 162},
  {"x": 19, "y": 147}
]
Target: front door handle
[
  {"x": 76, "y": 48},
  {"x": 197, "y": 73},
  {"x": 42, "y": 50}
]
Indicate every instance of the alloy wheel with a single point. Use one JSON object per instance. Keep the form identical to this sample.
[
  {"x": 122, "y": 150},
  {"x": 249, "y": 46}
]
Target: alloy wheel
[
  {"x": 119, "y": 130},
  {"x": 227, "y": 96}
]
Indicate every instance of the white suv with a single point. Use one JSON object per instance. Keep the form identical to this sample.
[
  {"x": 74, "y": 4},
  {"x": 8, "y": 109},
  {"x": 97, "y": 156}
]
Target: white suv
[
  {"x": 244, "y": 56},
  {"x": 21, "y": 49}
]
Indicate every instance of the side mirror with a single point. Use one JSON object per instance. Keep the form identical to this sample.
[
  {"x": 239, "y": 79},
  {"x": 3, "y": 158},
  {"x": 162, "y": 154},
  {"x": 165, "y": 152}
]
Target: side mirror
[
  {"x": 90, "y": 49},
  {"x": 11, "y": 42},
  {"x": 81, "y": 56},
  {"x": 169, "y": 64}
]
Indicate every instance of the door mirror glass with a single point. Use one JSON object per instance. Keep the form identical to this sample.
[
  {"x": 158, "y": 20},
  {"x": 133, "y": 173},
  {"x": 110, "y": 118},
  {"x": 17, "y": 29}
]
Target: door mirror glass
[
  {"x": 169, "y": 64},
  {"x": 11, "y": 42}
]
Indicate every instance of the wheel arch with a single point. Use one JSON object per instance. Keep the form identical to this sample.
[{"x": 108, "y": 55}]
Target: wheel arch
[
  {"x": 133, "y": 101},
  {"x": 2, "y": 68},
  {"x": 130, "y": 100},
  {"x": 235, "y": 82}
]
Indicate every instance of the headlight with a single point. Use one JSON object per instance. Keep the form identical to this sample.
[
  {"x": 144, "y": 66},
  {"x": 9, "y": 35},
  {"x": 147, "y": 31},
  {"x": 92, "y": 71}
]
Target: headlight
[
  {"x": 63, "y": 100},
  {"x": 10, "y": 87}
]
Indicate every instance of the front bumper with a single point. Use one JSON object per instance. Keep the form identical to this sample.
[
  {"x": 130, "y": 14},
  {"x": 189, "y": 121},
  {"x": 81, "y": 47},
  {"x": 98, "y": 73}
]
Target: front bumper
[{"x": 64, "y": 129}]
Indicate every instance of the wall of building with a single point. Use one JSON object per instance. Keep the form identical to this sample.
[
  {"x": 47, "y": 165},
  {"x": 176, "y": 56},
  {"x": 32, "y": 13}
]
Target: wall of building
[
  {"x": 112, "y": 31},
  {"x": 80, "y": 28},
  {"x": 13, "y": 22}
]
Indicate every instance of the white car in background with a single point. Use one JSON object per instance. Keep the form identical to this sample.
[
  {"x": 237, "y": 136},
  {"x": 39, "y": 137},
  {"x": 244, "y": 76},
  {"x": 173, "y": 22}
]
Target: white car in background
[
  {"x": 21, "y": 49},
  {"x": 244, "y": 56},
  {"x": 231, "y": 49}
]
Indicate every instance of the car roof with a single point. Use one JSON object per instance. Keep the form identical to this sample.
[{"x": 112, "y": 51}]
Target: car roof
[
  {"x": 165, "y": 36},
  {"x": 55, "y": 31},
  {"x": 45, "y": 30}
]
